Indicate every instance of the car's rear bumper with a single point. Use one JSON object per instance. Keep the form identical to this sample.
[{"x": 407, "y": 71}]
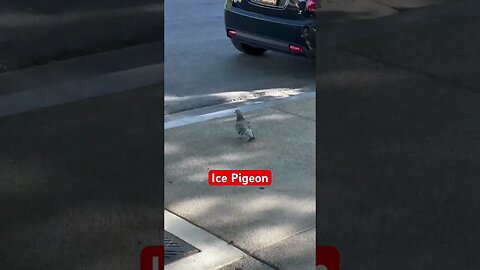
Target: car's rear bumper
[{"x": 271, "y": 32}]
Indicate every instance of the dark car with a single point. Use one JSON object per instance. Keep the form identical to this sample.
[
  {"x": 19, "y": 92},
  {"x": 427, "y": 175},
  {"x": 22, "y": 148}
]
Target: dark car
[{"x": 255, "y": 26}]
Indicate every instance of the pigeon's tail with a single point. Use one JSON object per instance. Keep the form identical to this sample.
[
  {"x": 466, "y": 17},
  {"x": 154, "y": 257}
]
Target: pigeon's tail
[{"x": 252, "y": 137}]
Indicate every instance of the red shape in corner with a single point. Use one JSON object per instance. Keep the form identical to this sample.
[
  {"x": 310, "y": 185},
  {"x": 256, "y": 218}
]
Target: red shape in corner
[
  {"x": 328, "y": 256},
  {"x": 147, "y": 255}
]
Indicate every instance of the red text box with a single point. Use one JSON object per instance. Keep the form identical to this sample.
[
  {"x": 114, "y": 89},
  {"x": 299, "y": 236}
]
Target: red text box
[
  {"x": 328, "y": 257},
  {"x": 147, "y": 258},
  {"x": 240, "y": 177}
]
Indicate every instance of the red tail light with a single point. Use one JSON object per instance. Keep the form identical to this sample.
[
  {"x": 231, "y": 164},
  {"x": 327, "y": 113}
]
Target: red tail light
[
  {"x": 232, "y": 33},
  {"x": 295, "y": 49},
  {"x": 311, "y": 6}
]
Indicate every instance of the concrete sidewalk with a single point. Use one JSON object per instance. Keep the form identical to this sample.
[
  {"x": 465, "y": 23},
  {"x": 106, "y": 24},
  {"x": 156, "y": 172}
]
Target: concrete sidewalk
[{"x": 274, "y": 226}]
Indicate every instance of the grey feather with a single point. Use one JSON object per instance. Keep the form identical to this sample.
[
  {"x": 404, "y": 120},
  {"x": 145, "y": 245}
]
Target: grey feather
[{"x": 243, "y": 127}]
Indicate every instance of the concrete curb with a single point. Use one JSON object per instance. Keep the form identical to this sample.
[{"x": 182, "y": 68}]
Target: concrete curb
[
  {"x": 214, "y": 252},
  {"x": 219, "y": 111}
]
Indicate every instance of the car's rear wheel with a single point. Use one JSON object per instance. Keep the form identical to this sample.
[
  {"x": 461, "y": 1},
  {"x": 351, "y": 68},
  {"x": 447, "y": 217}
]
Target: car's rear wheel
[{"x": 248, "y": 49}]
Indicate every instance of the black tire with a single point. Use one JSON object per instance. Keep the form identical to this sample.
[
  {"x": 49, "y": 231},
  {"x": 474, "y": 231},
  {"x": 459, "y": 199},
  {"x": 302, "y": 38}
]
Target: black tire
[{"x": 248, "y": 49}]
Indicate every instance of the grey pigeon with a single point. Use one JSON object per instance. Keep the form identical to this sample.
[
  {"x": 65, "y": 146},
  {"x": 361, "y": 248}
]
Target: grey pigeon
[{"x": 243, "y": 127}]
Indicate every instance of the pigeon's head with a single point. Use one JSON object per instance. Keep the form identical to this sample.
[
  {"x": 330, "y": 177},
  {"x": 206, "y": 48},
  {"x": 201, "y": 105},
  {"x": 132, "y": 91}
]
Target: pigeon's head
[{"x": 239, "y": 115}]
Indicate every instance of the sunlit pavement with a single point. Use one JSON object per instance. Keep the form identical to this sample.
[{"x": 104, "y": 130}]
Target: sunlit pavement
[
  {"x": 275, "y": 226},
  {"x": 202, "y": 68}
]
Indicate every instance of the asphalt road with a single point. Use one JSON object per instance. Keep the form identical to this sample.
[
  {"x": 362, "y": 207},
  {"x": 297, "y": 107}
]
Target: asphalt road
[
  {"x": 200, "y": 60},
  {"x": 202, "y": 68},
  {"x": 39, "y": 32},
  {"x": 60, "y": 6},
  {"x": 344, "y": 11},
  {"x": 79, "y": 189}
]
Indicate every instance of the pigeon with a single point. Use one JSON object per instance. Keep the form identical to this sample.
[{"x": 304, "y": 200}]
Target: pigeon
[{"x": 243, "y": 127}]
